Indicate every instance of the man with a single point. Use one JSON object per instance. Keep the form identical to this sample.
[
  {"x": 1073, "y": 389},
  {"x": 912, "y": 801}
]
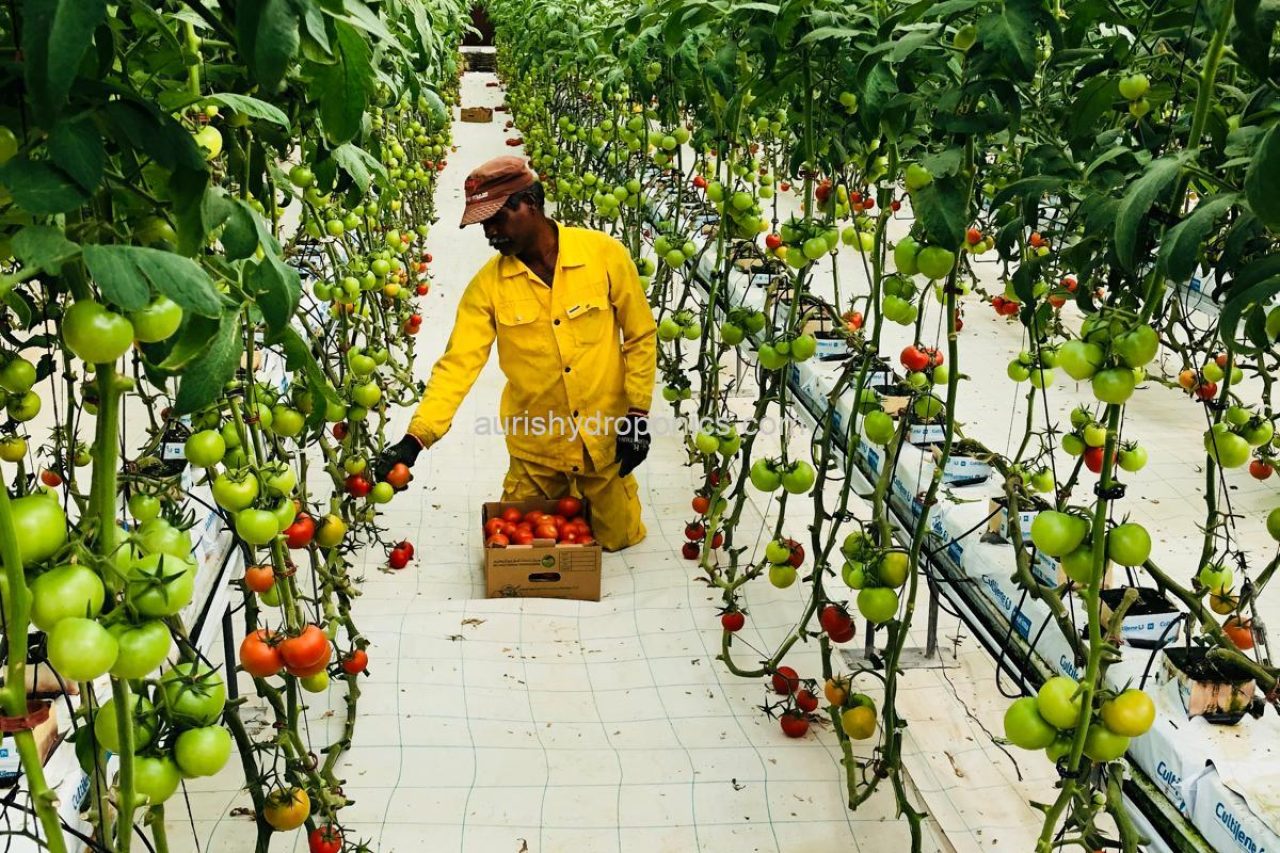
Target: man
[{"x": 576, "y": 341}]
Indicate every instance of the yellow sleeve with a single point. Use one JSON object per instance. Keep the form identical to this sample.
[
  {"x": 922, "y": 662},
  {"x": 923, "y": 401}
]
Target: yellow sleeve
[
  {"x": 639, "y": 331},
  {"x": 466, "y": 354}
]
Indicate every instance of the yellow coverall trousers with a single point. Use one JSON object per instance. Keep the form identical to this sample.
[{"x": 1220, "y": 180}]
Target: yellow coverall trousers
[{"x": 614, "y": 500}]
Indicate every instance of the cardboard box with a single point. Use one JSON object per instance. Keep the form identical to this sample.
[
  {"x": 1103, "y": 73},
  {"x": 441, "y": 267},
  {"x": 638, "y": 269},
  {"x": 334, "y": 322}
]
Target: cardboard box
[
  {"x": 543, "y": 569},
  {"x": 477, "y": 114}
]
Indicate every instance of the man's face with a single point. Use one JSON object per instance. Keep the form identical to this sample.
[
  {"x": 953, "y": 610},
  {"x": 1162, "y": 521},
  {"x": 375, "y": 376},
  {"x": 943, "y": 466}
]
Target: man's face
[{"x": 511, "y": 230}]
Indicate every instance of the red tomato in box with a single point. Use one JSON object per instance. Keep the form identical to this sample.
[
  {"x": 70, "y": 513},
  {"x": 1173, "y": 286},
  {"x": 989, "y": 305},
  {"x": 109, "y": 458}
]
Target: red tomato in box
[
  {"x": 522, "y": 536},
  {"x": 560, "y": 521},
  {"x": 569, "y": 506},
  {"x": 512, "y": 514},
  {"x": 492, "y": 526},
  {"x": 546, "y": 530},
  {"x": 534, "y": 517},
  {"x": 569, "y": 537}
]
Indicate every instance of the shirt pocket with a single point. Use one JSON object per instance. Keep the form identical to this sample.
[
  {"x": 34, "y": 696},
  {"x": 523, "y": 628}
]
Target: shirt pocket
[
  {"x": 520, "y": 335},
  {"x": 590, "y": 320}
]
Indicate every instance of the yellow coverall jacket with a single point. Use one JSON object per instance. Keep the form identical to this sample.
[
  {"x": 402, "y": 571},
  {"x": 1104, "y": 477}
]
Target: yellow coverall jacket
[{"x": 577, "y": 356}]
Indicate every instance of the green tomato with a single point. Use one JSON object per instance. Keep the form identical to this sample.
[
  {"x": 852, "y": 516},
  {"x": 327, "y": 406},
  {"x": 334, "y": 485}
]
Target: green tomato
[
  {"x": 281, "y": 479},
  {"x": 1080, "y": 359},
  {"x": 1058, "y": 533},
  {"x": 40, "y": 525},
  {"x": 144, "y": 507},
  {"x": 904, "y": 256},
  {"x": 1273, "y": 524},
  {"x": 155, "y": 777},
  {"x": 917, "y": 177},
  {"x": 65, "y": 592},
  {"x": 799, "y": 478},
  {"x": 765, "y": 476},
  {"x": 143, "y": 648},
  {"x": 18, "y": 375},
  {"x": 1226, "y": 448},
  {"x": 782, "y": 575},
  {"x": 878, "y": 427},
  {"x": 145, "y": 724},
  {"x": 1114, "y": 385},
  {"x": 256, "y": 526},
  {"x": 1137, "y": 346},
  {"x": 1072, "y": 444},
  {"x": 80, "y": 649},
  {"x": 158, "y": 536},
  {"x": 1132, "y": 458},
  {"x": 160, "y": 584},
  {"x": 202, "y": 751},
  {"x": 1258, "y": 432},
  {"x": 1094, "y": 435},
  {"x": 235, "y": 490},
  {"x": 8, "y": 144},
  {"x": 157, "y": 321},
  {"x": 1078, "y": 565},
  {"x": 1102, "y": 745},
  {"x": 1129, "y": 544},
  {"x": 731, "y": 333},
  {"x": 877, "y": 604},
  {"x": 192, "y": 694},
  {"x": 936, "y": 262},
  {"x": 23, "y": 407},
  {"x": 95, "y": 334},
  {"x": 1133, "y": 86},
  {"x": 1025, "y": 728},
  {"x": 287, "y": 422},
  {"x": 1059, "y": 702},
  {"x": 205, "y": 449},
  {"x": 965, "y": 37}
]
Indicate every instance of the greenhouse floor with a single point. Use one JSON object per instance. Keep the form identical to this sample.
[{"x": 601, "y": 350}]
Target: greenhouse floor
[{"x": 542, "y": 725}]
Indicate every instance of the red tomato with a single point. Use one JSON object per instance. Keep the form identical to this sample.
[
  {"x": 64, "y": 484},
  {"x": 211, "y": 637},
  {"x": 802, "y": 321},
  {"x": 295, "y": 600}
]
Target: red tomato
[
  {"x": 772, "y": 241},
  {"x": 1260, "y": 469},
  {"x": 568, "y": 506},
  {"x": 1238, "y": 632},
  {"x": 914, "y": 358},
  {"x": 260, "y": 578},
  {"x": 356, "y": 662},
  {"x": 690, "y": 550},
  {"x": 398, "y": 558},
  {"x": 569, "y": 537},
  {"x": 512, "y": 514},
  {"x": 546, "y": 530},
  {"x": 497, "y": 540},
  {"x": 794, "y": 724},
  {"x": 806, "y": 701},
  {"x": 325, "y": 839},
  {"x": 358, "y": 486},
  {"x": 785, "y": 680},
  {"x": 701, "y": 503},
  {"x": 717, "y": 540},
  {"x": 694, "y": 532},
  {"x": 534, "y": 517},
  {"x": 50, "y": 478},
  {"x": 301, "y": 532},
  {"x": 492, "y": 526},
  {"x": 733, "y": 620},
  {"x": 522, "y": 536}
]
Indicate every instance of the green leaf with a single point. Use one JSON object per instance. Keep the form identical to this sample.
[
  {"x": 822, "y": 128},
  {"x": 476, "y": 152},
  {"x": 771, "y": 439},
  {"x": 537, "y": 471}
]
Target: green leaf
[
  {"x": 1262, "y": 180},
  {"x": 1095, "y": 98},
  {"x": 943, "y": 208},
  {"x": 192, "y": 339},
  {"x": 240, "y": 232},
  {"x": 119, "y": 279},
  {"x": 1009, "y": 38},
  {"x": 277, "y": 289},
  {"x": 914, "y": 40},
  {"x": 123, "y": 272},
  {"x": 359, "y": 164},
  {"x": 827, "y": 33},
  {"x": 1180, "y": 247},
  {"x": 268, "y": 32},
  {"x": 1156, "y": 179},
  {"x": 251, "y": 107},
  {"x": 1035, "y": 187},
  {"x": 40, "y": 187},
  {"x": 76, "y": 147},
  {"x": 43, "y": 247},
  {"x": 208, "y": 374},
  {"x": 55, "y": 35},
  {"x": 1253, "y": 29},
  {"x": 342, "y": 89},
  {"x": 157, "y": 135},
  {"x": 181, "y": 279},
  {"x": 1252, "y": 289},
  {"x": 944, "y": 163},
  {"x": 197, "y": 209}
]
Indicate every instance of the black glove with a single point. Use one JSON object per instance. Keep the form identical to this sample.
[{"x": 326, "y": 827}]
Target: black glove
[
  {"x": 405, "y": 450},
  {"x": 633, "y": 442}
]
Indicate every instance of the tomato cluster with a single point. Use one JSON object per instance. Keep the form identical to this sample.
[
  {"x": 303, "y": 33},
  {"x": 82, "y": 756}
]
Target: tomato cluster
[{"x": 565, "y": 526}]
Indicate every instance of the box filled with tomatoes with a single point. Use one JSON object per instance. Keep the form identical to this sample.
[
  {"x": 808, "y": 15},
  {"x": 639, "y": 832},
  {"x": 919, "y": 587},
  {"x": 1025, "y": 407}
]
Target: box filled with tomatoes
[{"x": 540, "y": 549}]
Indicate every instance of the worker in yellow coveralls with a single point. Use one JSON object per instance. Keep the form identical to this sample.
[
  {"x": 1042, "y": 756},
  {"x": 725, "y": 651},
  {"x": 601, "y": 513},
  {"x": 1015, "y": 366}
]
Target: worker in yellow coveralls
[{"x": 576, "y": 341}]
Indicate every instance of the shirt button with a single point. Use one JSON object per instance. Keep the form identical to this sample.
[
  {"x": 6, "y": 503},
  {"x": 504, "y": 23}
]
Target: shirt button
[
  {"x": 575, "y": 467},
  {"x": 556, "y": 322},
  {"x": 567, "y": 369},
  {"x": 575, "y": 413}
]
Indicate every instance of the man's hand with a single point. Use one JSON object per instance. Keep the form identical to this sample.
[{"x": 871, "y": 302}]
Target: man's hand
[
  {"x": 633, "y": 442},
  {"x": 405, "y": 451}
]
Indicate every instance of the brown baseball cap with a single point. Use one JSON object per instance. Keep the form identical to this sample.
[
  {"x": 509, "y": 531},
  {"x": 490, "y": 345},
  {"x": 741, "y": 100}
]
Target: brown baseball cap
[{"x": 489, "y": 186}]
